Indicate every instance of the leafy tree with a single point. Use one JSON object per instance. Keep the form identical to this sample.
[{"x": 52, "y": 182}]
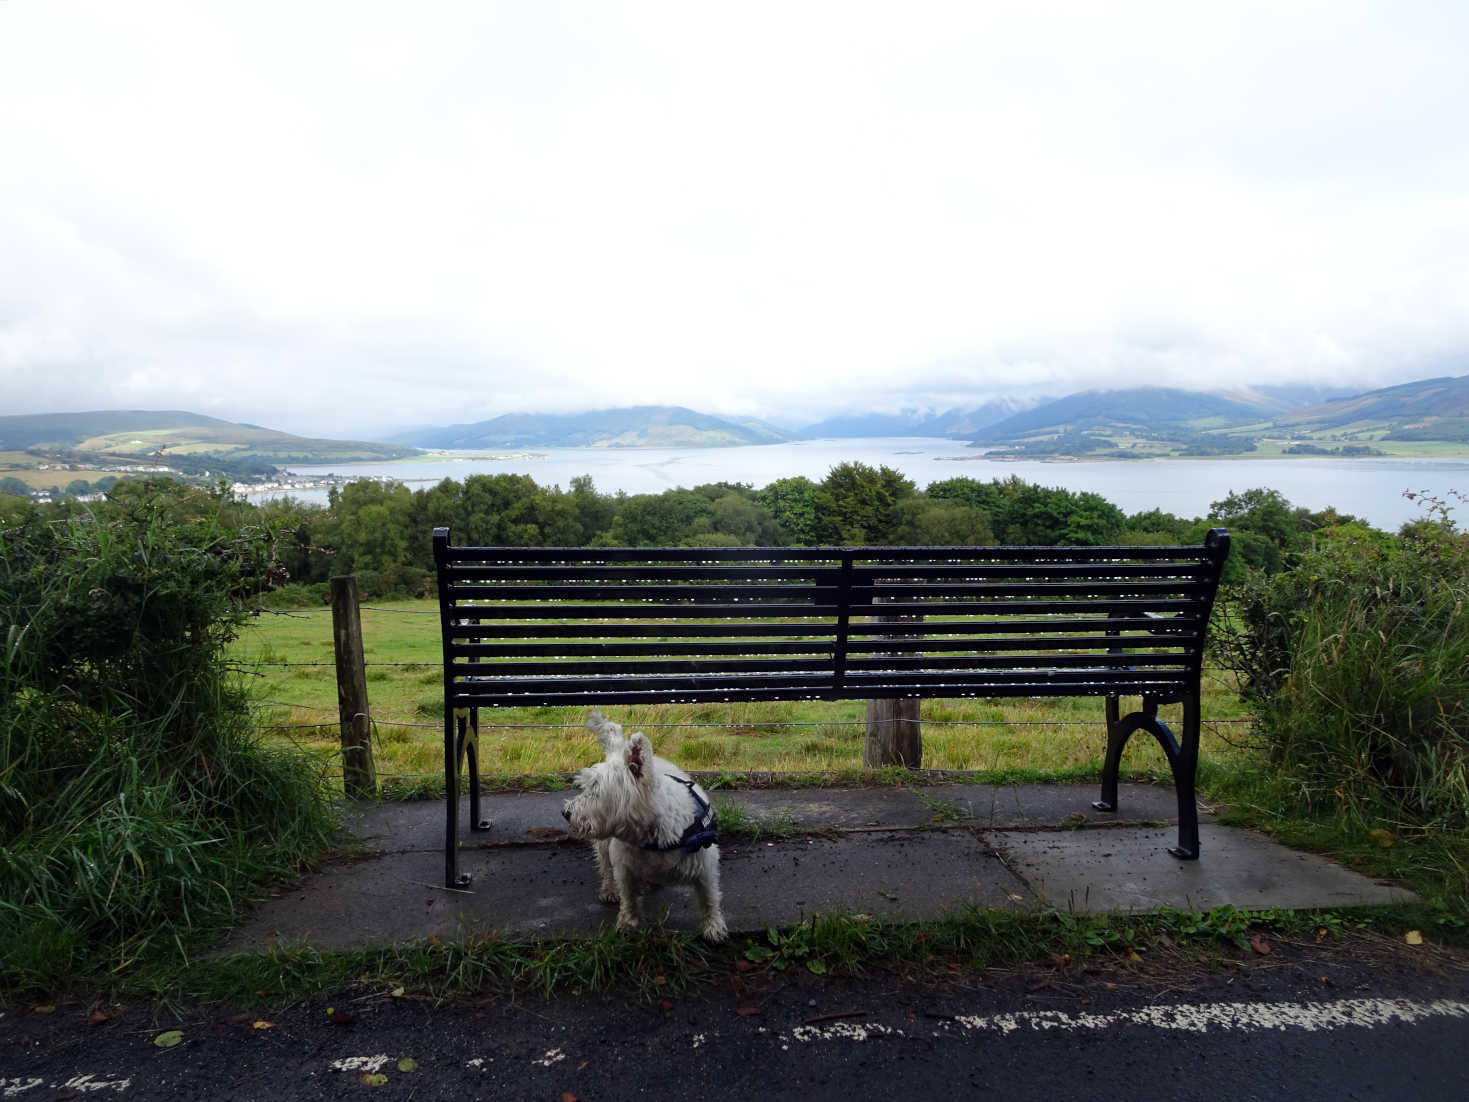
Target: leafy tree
[
  {"x": 593, "y": 511},
  {"x": 857, "y": 504},
  {"x": 922, "y": 521},
  {"x": 743, "y": 519},
  {"x": 1176, "y": 529},
  {"x": 370, "y": 529},
  {"x": 659, "y": 520},
  {"x": 792, "y": 502}
]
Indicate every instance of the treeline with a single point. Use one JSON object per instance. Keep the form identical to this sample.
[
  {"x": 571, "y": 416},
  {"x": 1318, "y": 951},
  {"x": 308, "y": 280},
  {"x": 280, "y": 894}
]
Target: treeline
[{"x": 381, "y": 531}]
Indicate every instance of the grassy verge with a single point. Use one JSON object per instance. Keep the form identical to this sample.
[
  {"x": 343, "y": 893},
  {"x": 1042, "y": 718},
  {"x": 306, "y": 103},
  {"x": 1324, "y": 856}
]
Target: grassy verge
[{"x": 656, "y": 963}]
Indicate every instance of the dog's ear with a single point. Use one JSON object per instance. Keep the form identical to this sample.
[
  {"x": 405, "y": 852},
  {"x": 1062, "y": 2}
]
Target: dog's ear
[
  {"x": 609, "y": 734},
  {"x": 639, "y": 756}
]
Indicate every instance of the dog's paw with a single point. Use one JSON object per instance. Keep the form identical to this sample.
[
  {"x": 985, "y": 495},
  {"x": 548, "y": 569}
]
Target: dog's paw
[
  {"x": 627, "y": 922},
  {"x": 715, "y": 930},
  {"x": 609, "y": 895}
]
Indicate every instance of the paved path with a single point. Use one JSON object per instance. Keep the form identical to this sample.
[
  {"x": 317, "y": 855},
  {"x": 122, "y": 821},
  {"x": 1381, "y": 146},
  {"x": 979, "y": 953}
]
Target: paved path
[{"x": 898, "y": 854}]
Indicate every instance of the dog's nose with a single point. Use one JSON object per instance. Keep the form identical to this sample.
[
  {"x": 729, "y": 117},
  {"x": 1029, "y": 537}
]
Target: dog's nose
[{"x": 566, "y": 814}]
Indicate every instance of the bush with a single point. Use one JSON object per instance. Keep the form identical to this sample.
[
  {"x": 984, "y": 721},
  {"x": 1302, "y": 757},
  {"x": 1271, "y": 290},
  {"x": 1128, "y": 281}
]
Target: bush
[
  {"x": 137, "y": 807},
  {"x": 1355, "y": 660}
]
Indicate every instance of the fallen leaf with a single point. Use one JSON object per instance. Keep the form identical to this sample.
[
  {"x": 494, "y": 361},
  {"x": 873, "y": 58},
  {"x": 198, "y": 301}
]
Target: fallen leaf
[
  {"x": 262, "y": 1024},
  {"x": 745, "y": 966},
  {"x": 408, "y": 1063},
  {"x": 341, "y": 1017},
  {"x": 746, "y": 1011},
  {"x": 397, "y": 992},
  {"x": 1017, "y": 897},
  {"x": 665, "y": 1006},
  {"x": 48, "y": 1008},
  {"x": 97, "y": 1017},
  {"x": 1259, "y": 944},
  {"x": 1383, "y": 838},
  {"x": 169, "y": 1038},
  {"x": 371, "y": 1078},
  {"x": 545, "y": 832},
  {"x": 1134, "y": 956},
  {"x": 567, "y": 1096},
  {"x": 1413, "y": 937}
]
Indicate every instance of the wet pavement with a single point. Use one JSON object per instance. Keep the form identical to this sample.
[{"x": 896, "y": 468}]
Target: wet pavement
[{"x": 897, "y": 854}]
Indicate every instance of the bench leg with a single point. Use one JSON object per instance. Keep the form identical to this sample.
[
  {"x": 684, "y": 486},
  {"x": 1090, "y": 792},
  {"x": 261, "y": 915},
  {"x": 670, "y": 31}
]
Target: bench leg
[
  {"x": 477, "y": 822},
  {"x": 461, "y": 744},
  {"x": 1183, "y": 761}
]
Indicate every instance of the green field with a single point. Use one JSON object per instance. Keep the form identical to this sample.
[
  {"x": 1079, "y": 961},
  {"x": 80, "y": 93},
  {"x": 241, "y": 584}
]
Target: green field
[{"x": 289, "y": 664}]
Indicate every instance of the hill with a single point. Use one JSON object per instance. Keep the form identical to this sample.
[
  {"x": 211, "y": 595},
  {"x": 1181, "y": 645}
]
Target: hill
[
  {"x": 139, "y": 433},
  {"x": 955, "y": 423},
  {"x": 1154, "y": 421},
  {"x": 1431, "y": 409},
  {"x": 631, "y": 427},
  {"x": 46, "y": 451},
  {"x": 1139, "y": 422}
]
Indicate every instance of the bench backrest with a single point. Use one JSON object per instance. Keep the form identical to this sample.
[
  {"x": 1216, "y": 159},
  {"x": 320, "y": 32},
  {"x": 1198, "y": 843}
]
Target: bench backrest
[{"x": 624, "y": 625}]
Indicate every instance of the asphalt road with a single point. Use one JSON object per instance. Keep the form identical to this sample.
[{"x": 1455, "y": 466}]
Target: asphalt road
[{"x": 1368, "y": 1019}]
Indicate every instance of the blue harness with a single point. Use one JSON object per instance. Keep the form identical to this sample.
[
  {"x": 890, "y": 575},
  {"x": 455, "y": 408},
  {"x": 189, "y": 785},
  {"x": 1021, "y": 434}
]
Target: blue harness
[{"x": 701, "y": 833}]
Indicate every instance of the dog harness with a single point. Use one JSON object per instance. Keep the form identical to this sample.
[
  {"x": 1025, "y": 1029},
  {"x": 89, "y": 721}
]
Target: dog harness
[{"x": 701, "y": 833}]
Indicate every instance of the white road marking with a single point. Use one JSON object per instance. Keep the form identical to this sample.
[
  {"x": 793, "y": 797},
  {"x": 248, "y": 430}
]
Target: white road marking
[
  {"x": 369, "y": 1064},
  {"x": 1194, "y": 1018},
  {"x": 14, "y": 1088}
]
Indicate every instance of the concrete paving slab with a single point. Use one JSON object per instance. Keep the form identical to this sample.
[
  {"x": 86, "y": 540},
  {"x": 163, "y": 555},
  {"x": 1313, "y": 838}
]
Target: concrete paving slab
[
  {"x": 530, "y": 816},
  {"x": 1026, "y": 806},
  {"x": 528, "y": 892},
  {"x": 830, "y": 808},
  {"x": 1130, "y": 870}
]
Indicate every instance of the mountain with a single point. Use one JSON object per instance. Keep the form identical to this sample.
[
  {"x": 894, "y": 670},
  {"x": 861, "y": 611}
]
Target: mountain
[
  {"x": 168, "y": 434},
  {"x": 1431, "y": 409},
  {"x": 630, "y": 427},
  {"x": 1284, "y": 397},
  {"x": 1145, "y": 412},
  {"x": 958, "y": 423}
]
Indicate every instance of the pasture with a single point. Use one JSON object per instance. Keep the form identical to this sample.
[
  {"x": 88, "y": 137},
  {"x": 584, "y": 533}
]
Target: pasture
[{"x": 287, "y": 659}]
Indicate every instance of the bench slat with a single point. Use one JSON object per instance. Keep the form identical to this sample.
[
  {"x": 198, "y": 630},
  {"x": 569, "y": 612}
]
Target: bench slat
[
  {"x": 467, "y": 574},
  {"x": 788, "y": 646}
]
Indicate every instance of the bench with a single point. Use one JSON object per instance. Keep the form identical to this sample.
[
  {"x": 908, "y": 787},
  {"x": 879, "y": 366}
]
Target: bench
[{"x": 599, "y": 626}]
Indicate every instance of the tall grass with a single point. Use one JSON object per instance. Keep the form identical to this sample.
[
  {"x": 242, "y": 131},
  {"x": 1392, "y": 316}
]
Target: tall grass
[
  {"x": 138, "y": 808},
  {"x": 1357, "y": 663}
]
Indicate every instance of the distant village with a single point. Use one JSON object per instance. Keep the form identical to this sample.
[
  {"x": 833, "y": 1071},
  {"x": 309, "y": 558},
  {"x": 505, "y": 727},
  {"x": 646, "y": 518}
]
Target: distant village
[{"x": 282, "y": 482}]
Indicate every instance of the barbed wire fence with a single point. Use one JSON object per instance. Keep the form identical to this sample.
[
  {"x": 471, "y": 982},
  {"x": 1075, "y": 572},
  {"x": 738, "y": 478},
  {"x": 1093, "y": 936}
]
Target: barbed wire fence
[{"x": 1220, "y": 675}]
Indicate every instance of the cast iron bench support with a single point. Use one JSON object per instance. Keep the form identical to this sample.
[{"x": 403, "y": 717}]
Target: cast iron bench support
[{"x": 598, "y": 626}]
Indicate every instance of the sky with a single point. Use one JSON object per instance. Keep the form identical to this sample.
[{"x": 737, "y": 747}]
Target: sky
[{"x": 342, "y": 218}]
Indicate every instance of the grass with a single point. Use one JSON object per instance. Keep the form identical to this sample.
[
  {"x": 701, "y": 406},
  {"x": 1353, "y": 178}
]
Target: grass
[
  {"x": 291, "y": 666},
  {"x": 657, "y": 963}
]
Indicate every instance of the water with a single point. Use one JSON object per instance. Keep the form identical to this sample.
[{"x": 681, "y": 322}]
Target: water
[{"x": 1368, "y": 488}]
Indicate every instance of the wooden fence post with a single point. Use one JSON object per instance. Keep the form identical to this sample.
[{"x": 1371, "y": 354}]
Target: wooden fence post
[
  {"x": 894, "y": 736},
  {"x": 358, "y": 773}
]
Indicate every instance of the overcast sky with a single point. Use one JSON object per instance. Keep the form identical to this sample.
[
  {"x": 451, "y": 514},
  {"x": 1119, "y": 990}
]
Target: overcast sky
[{"x": 336, "y": 218}]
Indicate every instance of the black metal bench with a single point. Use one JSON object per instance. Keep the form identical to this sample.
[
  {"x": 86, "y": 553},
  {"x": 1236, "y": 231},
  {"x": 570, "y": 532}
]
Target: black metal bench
[{"x": 595, "y": 626}]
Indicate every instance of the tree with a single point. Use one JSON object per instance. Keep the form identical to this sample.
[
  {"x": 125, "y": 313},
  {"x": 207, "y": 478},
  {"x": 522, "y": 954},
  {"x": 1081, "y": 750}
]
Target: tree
[
  {"x": 593, "y": 511},
  {"x": 792, "y": 502},
  {"x": 856, "y": 504},
  {"x": 923, "y": 521},
  {"x": 659, "y": 520}
]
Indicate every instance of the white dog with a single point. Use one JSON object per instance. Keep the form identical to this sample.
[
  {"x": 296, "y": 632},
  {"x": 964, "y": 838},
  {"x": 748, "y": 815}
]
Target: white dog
[{"x": 650, "y": 826}]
